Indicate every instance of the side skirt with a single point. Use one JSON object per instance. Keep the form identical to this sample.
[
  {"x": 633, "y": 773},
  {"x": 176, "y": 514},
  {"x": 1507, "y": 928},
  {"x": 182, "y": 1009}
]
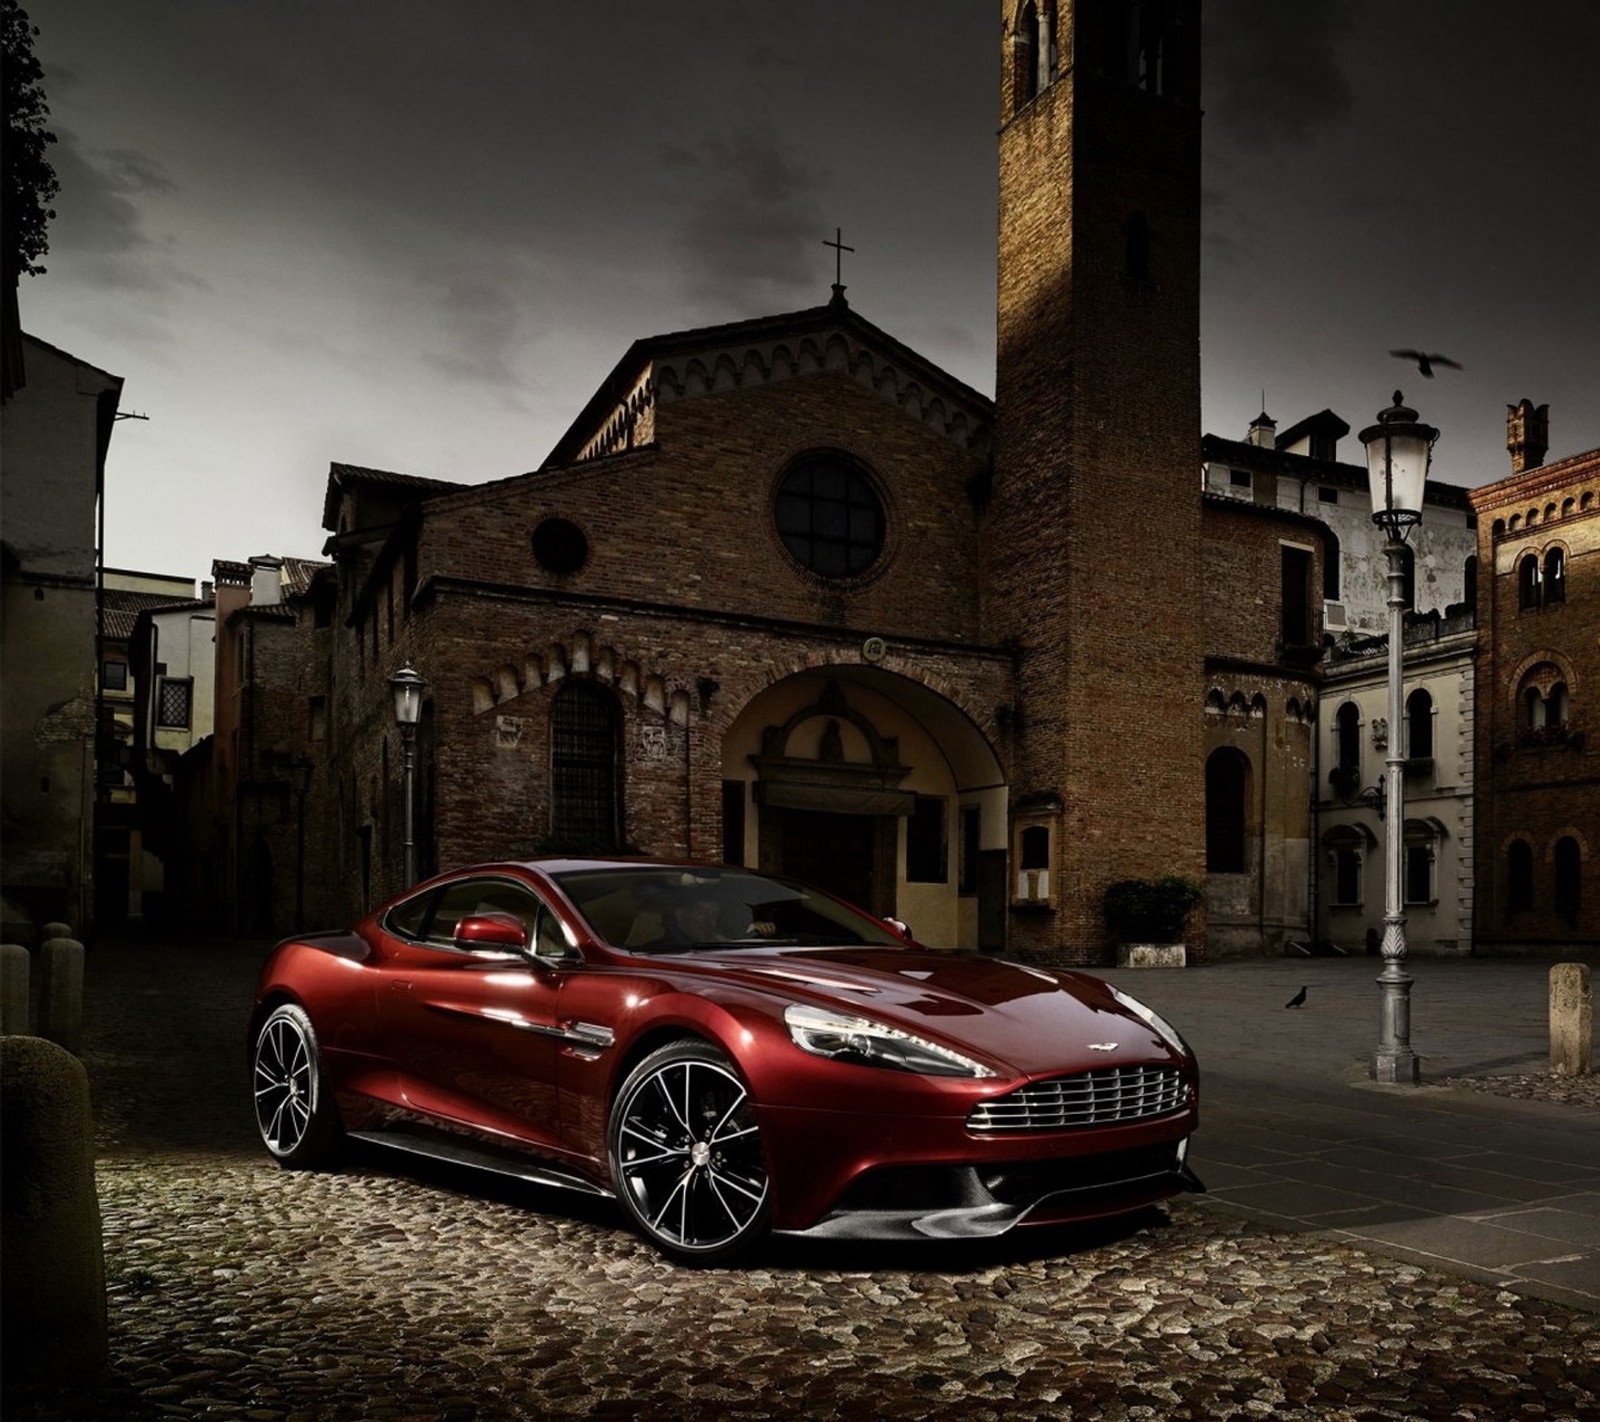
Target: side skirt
[{"x": 480, "y": 1158}]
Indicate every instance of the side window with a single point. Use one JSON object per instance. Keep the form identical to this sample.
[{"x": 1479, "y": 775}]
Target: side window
[
  {"x": 548, "y": 939},
  {"x": 472, "y": 897},
  {"x": 405, "y": 920}
]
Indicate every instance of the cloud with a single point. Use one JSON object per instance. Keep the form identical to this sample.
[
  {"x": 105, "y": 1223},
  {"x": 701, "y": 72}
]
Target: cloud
[
  {"x": 100, "y": 225},
  {"x": 751, "y": 227},
  {"x": 480, "y": 306},
  {"x": 1273, "y": 70}
]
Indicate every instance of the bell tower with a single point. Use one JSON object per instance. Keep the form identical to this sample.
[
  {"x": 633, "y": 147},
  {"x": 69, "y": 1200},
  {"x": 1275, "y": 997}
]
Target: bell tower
[{"x": 1095, "y": 537}]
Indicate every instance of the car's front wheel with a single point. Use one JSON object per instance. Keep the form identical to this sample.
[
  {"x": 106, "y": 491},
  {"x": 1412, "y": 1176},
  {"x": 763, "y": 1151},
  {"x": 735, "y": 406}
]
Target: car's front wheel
[
  {"x": 295, "y": 1111},
  {"x": 686, "y": 1157}
]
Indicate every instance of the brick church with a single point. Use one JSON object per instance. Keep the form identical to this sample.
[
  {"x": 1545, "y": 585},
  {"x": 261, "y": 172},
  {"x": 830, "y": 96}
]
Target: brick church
[{"x": 787, "y": 594}]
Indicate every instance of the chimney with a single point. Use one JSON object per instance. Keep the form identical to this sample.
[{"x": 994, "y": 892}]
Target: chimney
[
  {"x": 1263, "y": 430},
  {"x": 266, "y": 585},
  {"x": 1527, "y": 435}
]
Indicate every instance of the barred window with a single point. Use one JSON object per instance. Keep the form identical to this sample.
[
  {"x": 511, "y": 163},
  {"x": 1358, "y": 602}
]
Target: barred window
[
  {"x": 585, "y": 783},
  {"x": 174, "y": 698}
]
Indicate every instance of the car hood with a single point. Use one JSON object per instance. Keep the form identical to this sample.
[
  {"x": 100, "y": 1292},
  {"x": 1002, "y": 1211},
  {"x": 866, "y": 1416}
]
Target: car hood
[{"x": 1032, "y": 1019}]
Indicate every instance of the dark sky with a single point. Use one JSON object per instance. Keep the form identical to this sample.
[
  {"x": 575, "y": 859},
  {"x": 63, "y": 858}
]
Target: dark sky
[{"x": 416, "y": 235}]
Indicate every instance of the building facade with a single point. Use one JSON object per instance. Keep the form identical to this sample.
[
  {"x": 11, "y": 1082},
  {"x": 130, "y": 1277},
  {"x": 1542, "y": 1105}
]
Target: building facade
[
  {"x": 1344, "y": 702},
  {"x": 56, "y": 428},
  {"x": 1537, "y": 761},
  {"x": 788, "y": 595}
]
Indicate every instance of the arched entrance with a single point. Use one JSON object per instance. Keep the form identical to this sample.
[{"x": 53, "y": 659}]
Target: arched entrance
[{"x": 874, "y": 787}]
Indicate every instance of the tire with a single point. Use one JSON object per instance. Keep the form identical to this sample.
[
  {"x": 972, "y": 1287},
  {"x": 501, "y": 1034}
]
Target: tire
[
  {"x": 295, "y": 1111},
  {"x": 686, "y": 1156}
]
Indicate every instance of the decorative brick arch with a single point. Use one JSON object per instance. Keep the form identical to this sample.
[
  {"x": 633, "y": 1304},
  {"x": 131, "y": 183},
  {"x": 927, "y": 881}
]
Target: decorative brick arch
[
  {"x": 578, "y": 655},
  {"x": 1538, "y": 657},
  {"x": 802, "y": 663},
  {"x": 1567, "y": 832}
]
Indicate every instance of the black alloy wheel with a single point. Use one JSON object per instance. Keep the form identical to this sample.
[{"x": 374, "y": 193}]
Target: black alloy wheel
[
  {"x": 295, "y": 1111},
  {"x": 686, "y": 1157}
]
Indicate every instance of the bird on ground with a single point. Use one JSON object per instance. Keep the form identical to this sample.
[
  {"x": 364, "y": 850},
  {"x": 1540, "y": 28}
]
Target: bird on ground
[
  {"x": 1297, "y": 1000},
  {"x": 1426, "y": 363}
]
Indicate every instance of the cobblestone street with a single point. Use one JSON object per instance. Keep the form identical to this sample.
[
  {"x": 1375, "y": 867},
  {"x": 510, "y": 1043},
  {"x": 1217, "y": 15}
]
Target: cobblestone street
[{"x": 403, "y": 1291}]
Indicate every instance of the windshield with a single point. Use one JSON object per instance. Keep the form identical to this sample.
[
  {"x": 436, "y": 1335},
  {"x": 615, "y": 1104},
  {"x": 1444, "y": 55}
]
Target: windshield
[{"x": 661, "y": 909}]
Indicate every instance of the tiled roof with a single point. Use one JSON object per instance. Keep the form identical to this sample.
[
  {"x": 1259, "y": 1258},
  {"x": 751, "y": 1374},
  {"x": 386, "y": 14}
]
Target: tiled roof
[
  {"x": 345, "y": 476},
  {"x": 123, "y": 607},
  {"x": 297, "y": 574}
]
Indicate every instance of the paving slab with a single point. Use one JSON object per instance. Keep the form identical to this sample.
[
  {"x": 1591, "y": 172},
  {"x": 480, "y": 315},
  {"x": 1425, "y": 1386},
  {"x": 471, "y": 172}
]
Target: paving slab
[{"x": 1294, "y": 1130}]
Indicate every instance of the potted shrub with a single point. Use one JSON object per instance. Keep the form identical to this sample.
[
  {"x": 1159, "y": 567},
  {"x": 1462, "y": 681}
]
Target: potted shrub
[{"x": 1147, "y": 918}]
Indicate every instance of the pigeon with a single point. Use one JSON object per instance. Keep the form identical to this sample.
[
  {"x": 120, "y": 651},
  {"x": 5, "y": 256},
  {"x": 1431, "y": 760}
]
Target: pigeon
[
  {"x": 1297, "y": 999},
  {"x": 1426, "y": 363}
]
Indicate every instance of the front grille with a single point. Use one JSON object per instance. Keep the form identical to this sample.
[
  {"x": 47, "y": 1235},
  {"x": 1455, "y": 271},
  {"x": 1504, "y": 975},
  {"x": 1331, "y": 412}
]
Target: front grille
[{"x": 1092, "y": 1098}]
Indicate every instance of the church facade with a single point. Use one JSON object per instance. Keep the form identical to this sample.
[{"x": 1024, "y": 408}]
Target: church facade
[{"x": 787, "y": 594}]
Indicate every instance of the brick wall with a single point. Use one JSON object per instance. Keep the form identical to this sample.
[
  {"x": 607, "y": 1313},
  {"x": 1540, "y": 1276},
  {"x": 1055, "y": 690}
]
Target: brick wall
[
  {"x": 1096, "y": 534},
  {"x": 1538, "y": 789}
]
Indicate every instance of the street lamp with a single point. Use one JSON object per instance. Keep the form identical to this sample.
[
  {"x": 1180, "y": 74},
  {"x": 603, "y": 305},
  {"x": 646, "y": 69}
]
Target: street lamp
[
  {"x": 300, "y": 769},
  {"x": 407, "y": 686},
  {"x": 1398, "y": 450}
]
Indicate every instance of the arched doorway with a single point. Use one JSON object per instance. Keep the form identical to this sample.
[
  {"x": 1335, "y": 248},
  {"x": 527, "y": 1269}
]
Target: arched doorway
[{"x": 878, "y": 789}]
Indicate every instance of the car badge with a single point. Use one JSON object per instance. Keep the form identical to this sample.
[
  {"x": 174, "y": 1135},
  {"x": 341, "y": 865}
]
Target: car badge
[{"x": 1104, "y": 1046}]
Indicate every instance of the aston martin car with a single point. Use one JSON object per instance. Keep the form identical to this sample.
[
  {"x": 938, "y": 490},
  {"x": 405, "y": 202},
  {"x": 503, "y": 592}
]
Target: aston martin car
[{"x": 727, "y": 1053}]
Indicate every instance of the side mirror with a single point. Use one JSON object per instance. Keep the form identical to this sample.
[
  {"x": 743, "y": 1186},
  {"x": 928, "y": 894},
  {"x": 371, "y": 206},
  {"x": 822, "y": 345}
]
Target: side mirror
[
  {"x": 495, "y": 932},
  {"x": 901, "y": 927}
]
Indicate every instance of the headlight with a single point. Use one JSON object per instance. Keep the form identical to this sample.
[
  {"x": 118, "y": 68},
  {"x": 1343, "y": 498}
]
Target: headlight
[
  {"x": 827, "y": 1033},
  {"x": 1154, "y": 1019}
]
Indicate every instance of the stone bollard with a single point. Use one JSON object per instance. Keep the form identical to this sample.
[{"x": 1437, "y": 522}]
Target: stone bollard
[
  {"x": 55, "y": 930},
  {"x": 52, "y": 1263},
  {"x": 1571, "y": 1020},
  {"x": 61, "y": 992},
  {"x": 14, "y": 963}
]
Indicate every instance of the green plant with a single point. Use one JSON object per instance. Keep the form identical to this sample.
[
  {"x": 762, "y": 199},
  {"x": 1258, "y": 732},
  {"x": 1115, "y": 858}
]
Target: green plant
[{"x": 1150, "y": 910}]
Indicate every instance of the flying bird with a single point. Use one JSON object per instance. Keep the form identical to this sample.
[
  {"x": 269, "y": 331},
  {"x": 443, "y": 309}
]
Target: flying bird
[
  {"x": 1426, "y": 363},
  {"x": 1297, "y": 1000}
]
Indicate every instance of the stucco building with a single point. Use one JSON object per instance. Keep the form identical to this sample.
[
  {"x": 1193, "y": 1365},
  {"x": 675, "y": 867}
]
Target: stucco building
[
  {"x": 1344, "y": 699},
  {"x": 56, "y": 427}
]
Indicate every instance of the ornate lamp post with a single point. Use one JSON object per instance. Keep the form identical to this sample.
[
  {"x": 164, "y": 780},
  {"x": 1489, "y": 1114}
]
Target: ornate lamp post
[
  {"x": 300, "y": 769},
  {"x": 407, "y": 686},
  {"x": 1398, "y": 451}
]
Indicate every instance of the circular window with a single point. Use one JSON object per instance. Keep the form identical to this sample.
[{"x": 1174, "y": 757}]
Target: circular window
[
  {"x": 830, "y": 517},
  {"x": 559, "y": 546}
]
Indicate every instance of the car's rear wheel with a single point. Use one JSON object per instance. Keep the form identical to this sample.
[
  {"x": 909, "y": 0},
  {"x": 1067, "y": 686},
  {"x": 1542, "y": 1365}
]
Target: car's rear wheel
[
  {"x": 686, "y": 1157},
  {"x": 295, "y": 1110}
]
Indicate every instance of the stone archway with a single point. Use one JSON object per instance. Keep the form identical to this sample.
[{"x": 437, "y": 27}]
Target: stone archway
[{"x": 877, "y": 788}]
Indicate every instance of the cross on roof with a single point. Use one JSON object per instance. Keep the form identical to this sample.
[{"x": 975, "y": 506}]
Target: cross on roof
[{"x": 839, "y": 249}]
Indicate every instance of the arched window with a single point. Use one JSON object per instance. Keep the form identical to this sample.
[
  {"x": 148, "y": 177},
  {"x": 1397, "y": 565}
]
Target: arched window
[
  {"x": 1528, "y": 582},
  {"x": 1469, "y": 582},
  {"x": 1419, "y": 725},
  {"x": 1047, "y": 44},
  {"x": 1118, "y": 40},
  {"x": 1136, "y": 255},
  {"x": 1330, "y": 566},
  {"x": 1569, "y": 878},
  {"x": 1155, "y": 20},
  {"x": 1347, "y": 730},
  {"x": 1227, "y": 784},
  {"x": 585, "y": 768},
  {"x": 1418, "y": 862},
  {"x": 1519, "y": 876},
  {"x": 1554, "y": 587},
  {"x": 1345, "y": 846},
  {"x": 1025, "y": 54},
  {"x": 1544, "y": 706}
]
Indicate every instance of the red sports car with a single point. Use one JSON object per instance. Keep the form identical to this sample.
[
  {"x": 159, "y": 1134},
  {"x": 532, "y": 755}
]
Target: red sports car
[{"x": 725, "y": 1052}]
